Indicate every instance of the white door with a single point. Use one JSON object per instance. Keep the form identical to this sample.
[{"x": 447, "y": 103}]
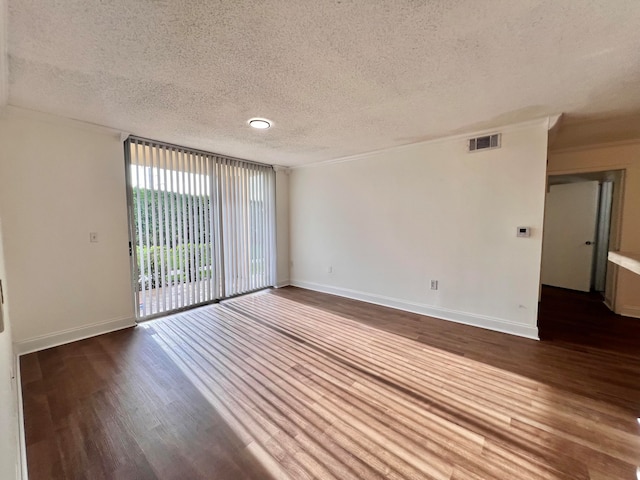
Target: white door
[{"x": 569, "y": 235}]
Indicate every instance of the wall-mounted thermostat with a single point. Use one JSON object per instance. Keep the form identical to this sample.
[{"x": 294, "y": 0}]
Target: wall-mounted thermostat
[{"x": 524, "y": 231}]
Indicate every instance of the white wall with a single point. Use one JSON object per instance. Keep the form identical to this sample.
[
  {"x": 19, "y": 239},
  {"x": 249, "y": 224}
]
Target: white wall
[
  {"x": 60, "y": 180},
  {"x": 9, "y": 452},
  {"x": 389, "y": 222}
]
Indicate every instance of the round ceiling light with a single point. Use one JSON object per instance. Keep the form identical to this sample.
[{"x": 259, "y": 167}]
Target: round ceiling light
[{"x": 260, "y": 123}]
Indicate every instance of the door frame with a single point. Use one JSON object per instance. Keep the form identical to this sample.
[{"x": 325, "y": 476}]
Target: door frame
[{"x": 617, "y": 210}]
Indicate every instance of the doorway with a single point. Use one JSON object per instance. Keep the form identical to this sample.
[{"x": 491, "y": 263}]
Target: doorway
[{"x": 582, "y": 223}]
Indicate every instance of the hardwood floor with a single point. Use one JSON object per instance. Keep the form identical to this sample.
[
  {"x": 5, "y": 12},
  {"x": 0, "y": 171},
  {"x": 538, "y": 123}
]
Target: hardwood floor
[{"x": 296, "y": 384}]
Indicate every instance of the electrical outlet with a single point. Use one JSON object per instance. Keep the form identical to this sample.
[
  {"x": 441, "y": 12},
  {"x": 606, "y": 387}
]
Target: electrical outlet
[
  {"x": 434, "y": 284},
  {"x": 329, "y": 269}
]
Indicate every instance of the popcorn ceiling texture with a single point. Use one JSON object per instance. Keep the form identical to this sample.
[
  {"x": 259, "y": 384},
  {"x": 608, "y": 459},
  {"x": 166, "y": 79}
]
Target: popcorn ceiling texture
[
  {"x": 336, "y": 77},
  {"x": 4, "y": 80}
]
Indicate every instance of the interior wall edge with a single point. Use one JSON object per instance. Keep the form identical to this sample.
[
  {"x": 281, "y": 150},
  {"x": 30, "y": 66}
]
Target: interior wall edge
[
  {"x": 23, "y": 473},
  {"x": 608, "y": 304},
  {"x": 42, "y": 342},
  {"x": 465, "y": 318}
]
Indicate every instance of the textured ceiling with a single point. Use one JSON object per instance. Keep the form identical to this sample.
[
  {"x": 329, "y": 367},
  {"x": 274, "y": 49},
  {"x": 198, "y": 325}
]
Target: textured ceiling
[
  {"x": 336, "y": 77},
  {"x": 4, "y": 75}
]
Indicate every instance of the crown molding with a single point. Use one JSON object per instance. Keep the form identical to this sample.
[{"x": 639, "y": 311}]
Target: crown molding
[
  {"x": 12, "y": 111},
  {"x": 594, "y": 146},
  {"x": 554, "y": 121},
  {"x": 547, "y": 122}
]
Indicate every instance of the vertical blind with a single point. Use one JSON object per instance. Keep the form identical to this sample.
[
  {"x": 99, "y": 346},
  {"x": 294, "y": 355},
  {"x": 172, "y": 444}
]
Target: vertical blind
[{"x": 202, "y": 226}]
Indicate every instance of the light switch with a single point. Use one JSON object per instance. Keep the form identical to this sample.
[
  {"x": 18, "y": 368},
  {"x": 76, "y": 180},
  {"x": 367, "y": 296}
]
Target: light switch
[{"x": 93, "y": 237}]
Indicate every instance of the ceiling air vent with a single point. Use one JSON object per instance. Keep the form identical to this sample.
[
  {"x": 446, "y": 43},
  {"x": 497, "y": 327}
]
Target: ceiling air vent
[{"x": 484, "y": 143}]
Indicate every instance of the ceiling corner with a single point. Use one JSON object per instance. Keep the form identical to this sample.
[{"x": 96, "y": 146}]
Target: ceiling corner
[
  {"x": 553, "y": 126},
  {"x": 554, "y": 121}
]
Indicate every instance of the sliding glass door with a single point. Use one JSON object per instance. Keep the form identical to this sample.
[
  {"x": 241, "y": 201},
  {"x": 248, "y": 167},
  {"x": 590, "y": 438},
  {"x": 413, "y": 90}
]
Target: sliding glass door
[{"x": 201, "y": 226}]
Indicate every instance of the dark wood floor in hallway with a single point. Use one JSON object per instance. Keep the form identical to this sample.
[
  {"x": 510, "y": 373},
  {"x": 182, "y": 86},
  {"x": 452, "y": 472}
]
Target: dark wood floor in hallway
[{"x": 296, "y": 384}]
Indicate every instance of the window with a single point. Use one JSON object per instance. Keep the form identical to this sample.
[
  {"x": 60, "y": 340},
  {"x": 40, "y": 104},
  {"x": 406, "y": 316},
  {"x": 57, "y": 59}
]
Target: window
[{"x": 201, "y": 226}]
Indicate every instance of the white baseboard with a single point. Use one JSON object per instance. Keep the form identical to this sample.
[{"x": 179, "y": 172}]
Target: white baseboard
[
  {"x": 43, "y": 342},
  {"x": 284, "y": 283},
  {"x": 22, "y": 471},
  {"x": 630, "y": 311},
  {"x": 475, "y": 320}
]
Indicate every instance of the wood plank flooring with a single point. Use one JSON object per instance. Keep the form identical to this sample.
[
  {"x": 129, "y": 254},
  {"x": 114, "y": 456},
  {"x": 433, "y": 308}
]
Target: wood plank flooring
[{"x": 296, "y": 384}]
